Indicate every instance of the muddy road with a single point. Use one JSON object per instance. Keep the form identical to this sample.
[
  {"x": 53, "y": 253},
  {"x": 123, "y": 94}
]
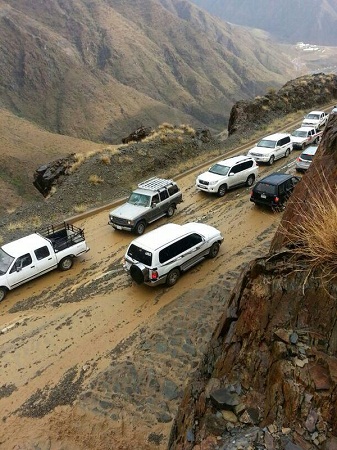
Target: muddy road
[{"x": 68, "y": 339}]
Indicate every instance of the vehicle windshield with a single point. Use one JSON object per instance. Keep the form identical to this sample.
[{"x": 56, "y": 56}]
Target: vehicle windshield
[
  {"x": 312, "y": 116},
  {"x": 139, "y": 199},
  {"x": 5, "y": 261},
  {"x": 265, "y": 188},
  {"x": 219, "y": 169},
  {"x": 298, "y": 133},
  {"x": 266, "y": 143},
  {"x": 140, "y": 255}
]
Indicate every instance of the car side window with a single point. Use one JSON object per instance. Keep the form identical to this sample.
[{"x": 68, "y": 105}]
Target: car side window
[
  {"x": 155, "y": 199},
  {"x": 281, "y": 188},
  {"x": 42, "y": 252},
  {"x": 178, "y": 247},
  {"x": 173, "y": 189},
  {"x": 163, "y": 195},
  {"x": 21, "y": 262},
  {"x": 235, "y": 169}
]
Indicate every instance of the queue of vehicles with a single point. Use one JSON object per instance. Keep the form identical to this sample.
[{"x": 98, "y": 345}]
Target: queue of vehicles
[{"x": 160, "y": 256}]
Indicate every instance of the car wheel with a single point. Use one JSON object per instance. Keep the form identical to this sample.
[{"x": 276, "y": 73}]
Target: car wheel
[
  {"x": 66, "y": 263},
  {"x": 271, "y": 160},
  {"x": 140, "y": 227},
  {"x": 170, "y": 211},
  {"x": 287, "y": 153},
  {"x": 250, "y": 180},
  {"x": 222, "y": 190},
  {"x": 3, "y": 292},
  {"x": 172, "y": 277},
  {"x": 137, "y": 274},
  {"x": 214, "y": 250}
]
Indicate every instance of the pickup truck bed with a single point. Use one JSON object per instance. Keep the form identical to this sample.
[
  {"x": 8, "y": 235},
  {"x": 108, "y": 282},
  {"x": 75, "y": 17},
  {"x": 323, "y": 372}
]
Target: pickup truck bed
[{"x": 63, "y": 236}]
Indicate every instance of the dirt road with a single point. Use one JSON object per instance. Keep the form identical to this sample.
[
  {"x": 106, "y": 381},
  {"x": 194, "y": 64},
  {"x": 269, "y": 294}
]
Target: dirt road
[{"x": 63, "y": 333}]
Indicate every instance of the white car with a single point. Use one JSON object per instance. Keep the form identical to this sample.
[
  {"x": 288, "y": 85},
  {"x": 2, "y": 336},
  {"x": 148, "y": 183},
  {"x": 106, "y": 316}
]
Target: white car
[
  {"x": 227, "y": 174},
  {"x": 315, "y": 119},
  {"x": 160, "y": 256},
  {"x": 272, "y": 147}
]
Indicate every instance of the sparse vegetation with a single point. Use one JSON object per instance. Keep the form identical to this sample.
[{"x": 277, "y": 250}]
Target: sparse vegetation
[
  {"x": 313, "y": 236},
  {"x": 95, "y": 179},
  {"x": 105, "y": 159}
]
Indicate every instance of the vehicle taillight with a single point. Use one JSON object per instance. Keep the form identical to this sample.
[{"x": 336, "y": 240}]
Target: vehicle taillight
[
  {"x": 154, "y": 275},
  {"x": 298, "y": 159},
  {"x": 276, "y": 199},
  {"x": 251, "y": 193}
]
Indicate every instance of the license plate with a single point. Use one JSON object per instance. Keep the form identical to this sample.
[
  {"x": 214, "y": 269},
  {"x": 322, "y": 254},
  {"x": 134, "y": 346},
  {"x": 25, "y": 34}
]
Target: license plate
[
  {"x": 263, "y": 196},
  {"x": 118, "y": 227}
]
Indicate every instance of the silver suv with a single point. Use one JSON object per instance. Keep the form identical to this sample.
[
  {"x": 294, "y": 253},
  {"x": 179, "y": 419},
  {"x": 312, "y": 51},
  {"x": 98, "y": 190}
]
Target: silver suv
[
  {"x": 153, "y": 199},
  {"x": 229, "y": 173}
]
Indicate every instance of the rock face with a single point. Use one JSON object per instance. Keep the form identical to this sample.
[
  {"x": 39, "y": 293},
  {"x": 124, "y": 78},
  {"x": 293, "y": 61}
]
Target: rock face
[
  {"x": 302, "y": 93},
  {"x": 48, "y": 175},
  {"x": 268, "y": 378}
]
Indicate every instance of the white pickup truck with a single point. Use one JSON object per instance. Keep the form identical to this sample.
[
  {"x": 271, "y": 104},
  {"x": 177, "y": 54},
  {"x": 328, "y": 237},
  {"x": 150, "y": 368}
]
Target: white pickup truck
[
  {"x": 317, "y": 119},
  {"x": 38, "y": 253},
  {"x": 304, "y": 136}
]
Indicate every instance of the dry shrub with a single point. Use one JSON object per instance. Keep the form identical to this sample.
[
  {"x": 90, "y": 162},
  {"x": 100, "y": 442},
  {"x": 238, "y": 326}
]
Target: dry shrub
[
  {"x": 80, "y": 208},
  {"x": 188, "y": 129},
  {"x": 105, "y": 159},
  {"x": 314, "y": 237},
  {"x": 79, "y": 160},
  {"x": 166, "y": 126},
  {"x": 95, "y": 179}
]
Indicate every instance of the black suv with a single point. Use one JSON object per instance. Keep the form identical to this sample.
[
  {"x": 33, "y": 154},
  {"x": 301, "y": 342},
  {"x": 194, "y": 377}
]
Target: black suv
[{"x": 274, "y": 190}]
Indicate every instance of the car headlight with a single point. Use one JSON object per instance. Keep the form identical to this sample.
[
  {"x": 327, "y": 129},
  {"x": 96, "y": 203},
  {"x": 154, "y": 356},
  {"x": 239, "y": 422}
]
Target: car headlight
[{"x": 212, "y": 183}]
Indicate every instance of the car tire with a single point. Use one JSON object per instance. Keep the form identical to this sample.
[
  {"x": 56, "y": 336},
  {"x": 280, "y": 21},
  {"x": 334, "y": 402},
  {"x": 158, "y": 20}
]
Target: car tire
[
  {"x": 172, "y": 277},
  {"x": 3, "y": 293},
  {"x": 140, "y": 227},
  {"x": 66, "y": 263},
  {"x": 271, "y": 160},
  {"x": 222, "y": 190},
  {"x": 137, "y": 274},
  {"x": 170, "y": 210},
  {"x": 250, "y": 180},
  {"x": 214, "y": 250},
  {"x": 287, "y": 153}
]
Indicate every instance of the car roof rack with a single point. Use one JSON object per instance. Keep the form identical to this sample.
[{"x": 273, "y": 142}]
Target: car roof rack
[{"x": 154, "y": 183}]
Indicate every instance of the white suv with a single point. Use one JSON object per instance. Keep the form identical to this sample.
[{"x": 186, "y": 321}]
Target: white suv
[
  {"x": 272, "y": 147},
  {"x": 161, "y": 255},
  {"x": 229, "y": 173}
]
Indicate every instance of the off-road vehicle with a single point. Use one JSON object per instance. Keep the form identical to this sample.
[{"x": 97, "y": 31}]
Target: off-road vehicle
[
  {"x": 274, "y": 190},
  {"x": 161, "y": 255},
  {"x": 153, "y": 199}
]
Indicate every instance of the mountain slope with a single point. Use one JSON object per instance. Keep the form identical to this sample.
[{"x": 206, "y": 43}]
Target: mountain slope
[
  {"x": 98, "y": 69},
  {"x": 312, "y": 21}
]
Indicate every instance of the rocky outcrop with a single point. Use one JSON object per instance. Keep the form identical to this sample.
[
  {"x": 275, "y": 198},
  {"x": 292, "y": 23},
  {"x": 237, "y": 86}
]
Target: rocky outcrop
[
  {"x": 305, "y": 92},
  {"x": 268, "y": 378},
  {"x": 48, "y": 175}
]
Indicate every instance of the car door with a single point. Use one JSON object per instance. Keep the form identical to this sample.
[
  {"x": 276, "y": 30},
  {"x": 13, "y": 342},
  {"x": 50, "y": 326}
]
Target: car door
[
  {"x": 193, "y": 249},
  {"x": 154, "y": 211},
  {"x": 45, "y": 260},
  {"x": 22, "y": 270},
  {"x": 239, "y": 173}
]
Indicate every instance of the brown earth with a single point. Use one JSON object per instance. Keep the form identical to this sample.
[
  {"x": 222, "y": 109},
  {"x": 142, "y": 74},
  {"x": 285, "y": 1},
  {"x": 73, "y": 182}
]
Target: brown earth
[{"x": 90, "y": 360}]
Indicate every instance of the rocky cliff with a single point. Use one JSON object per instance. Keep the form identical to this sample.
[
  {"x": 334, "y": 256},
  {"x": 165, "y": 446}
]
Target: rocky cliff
[
  {"x": 306, "y": 92},
  {"x": 268, "y": 378}
]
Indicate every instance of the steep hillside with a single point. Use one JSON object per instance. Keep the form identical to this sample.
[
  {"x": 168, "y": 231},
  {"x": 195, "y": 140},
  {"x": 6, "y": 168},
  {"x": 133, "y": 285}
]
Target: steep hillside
[
  {"x": 312, "y": 21},
  {"x": 99, "y": 69},
  {"x": 268, "y": 377}
]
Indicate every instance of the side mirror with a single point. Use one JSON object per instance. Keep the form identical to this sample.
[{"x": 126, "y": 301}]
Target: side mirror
[
  {"x": 231, "y": 174},
  {"x": 153, "y": 204}
]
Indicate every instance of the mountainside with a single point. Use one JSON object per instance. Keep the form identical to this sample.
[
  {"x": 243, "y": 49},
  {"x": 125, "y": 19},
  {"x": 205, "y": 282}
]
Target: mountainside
[
  {"x": 311, "y": 21},
  {"x": 99, "y": 69}
]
